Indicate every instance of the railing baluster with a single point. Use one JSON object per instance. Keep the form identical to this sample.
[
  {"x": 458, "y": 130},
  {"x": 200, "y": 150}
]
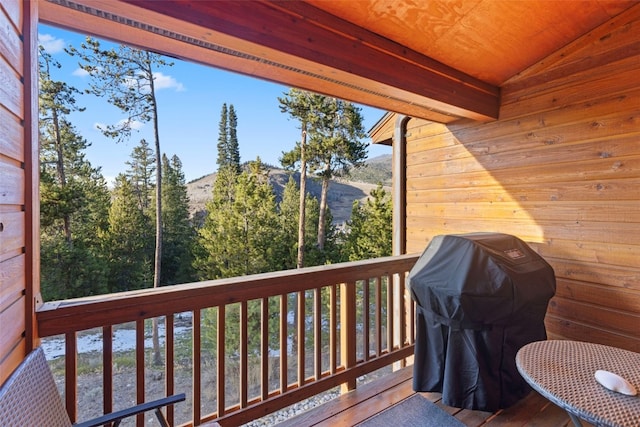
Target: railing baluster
[
  {"x": 244, "y": 346},
  {"x": 140, "y": 368},
  {"x": 71, "y": 375},
  {"x": 220, "y": 381},
  {"x": 378, "y": 285},
  {"x": 402, "y": 319},
  {"x": 284, "y": 380},
  {"x": 366, "y": 320},
  {"x": 169, "y": 372},
  {"x": 317, "y": 332},
  {"x": 348, "y": 331},
  {"x": 390, "y": 323},
  {"x": 197, "y": 365},
  {"x": 333, "y": 329},
  {"x": 301, "y": 337},
  {"x": 107, "y": 369},
  {"x": 264, "y": 348}
]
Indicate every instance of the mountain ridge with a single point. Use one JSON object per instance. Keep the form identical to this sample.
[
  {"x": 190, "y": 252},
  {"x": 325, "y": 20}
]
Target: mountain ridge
[{"x": 342, "y": 191}]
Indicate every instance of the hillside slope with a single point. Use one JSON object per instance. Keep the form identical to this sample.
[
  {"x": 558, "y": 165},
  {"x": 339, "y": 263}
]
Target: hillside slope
[{"x": 341, "y": 195}]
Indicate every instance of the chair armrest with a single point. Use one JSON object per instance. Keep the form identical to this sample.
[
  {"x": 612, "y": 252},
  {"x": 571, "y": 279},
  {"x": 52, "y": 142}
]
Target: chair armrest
[{"x": 134, "y": 410}]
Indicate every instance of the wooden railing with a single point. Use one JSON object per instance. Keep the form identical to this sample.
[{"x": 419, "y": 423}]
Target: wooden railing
[{"x": 316, "y": 328}]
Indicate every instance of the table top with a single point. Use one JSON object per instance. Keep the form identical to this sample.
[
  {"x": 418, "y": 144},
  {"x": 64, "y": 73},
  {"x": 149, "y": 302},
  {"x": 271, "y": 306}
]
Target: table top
[{"x": 564, "y": 372}]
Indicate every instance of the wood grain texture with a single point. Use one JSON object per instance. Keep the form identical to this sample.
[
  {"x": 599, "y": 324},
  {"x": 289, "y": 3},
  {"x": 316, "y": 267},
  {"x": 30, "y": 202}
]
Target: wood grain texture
[
  {"x": 85, "y": 313},
  {"x": 11, "y": 136},
  {"x": 12, "y": 316},
  {"x": 10, "y": 357},
  {"x": 11, "y": 46},
  {"x": 12, "y": 235},
  {"x": 386, "y": 391},
  {"x": 12, "y": 283},
  {"x": 482, "y": 37},
  {"x": 560, "y": 169},
  {"x": 11, "y": 88}
]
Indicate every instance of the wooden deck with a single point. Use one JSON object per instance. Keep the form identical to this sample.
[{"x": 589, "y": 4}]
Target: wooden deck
[{"x": 369, "y": 399}]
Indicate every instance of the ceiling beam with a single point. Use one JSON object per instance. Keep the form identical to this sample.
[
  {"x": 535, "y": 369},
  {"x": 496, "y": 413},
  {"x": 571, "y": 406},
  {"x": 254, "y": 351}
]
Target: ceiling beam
[{"x": 292, "y": 43}]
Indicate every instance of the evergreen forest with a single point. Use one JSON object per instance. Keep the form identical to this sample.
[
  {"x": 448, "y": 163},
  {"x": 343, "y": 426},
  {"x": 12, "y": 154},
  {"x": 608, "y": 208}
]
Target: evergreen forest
[{"x": 137, "y": 232}]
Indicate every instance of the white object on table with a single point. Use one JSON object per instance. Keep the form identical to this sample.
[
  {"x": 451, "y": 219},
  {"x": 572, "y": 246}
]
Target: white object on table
[{"x": 615, "y": 382}]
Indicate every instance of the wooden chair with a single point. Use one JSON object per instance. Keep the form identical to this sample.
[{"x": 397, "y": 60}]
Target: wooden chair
[{"x": 30, "y": 398}]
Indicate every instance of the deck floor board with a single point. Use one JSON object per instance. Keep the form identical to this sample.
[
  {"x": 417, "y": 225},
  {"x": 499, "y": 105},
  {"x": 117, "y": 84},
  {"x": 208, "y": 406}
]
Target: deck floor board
[{"x": 380, "y": 394}]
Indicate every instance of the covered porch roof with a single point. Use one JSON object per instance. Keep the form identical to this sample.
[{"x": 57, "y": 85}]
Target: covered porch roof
[{"x": 440, "y": 60}]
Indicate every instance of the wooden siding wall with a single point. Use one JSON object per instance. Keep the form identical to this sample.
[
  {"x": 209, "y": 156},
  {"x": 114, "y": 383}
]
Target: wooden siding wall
[
  {"x": 16, "y": 254},
  {"x": 561, "y": 170}
]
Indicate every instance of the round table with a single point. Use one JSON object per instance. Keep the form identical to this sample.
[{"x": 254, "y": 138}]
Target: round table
[{"x": 563, "y": 372}]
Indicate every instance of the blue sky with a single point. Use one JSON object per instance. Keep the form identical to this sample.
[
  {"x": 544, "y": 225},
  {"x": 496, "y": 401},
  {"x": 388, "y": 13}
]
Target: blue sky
[{"x": 190, "y": 99}]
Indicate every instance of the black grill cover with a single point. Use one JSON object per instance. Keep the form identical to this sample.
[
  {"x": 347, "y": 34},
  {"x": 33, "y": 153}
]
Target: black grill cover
[{"x": 480, "y": 297}]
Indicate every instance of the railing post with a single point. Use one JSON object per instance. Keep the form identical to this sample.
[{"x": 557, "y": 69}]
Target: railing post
[
  {"x": 399, "y": 316},
  {"x": 348, "y": 331}
]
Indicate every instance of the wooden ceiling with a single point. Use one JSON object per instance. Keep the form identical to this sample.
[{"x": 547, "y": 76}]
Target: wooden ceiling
[
  {"x": 491, "y": 40},
  {"x": 440, "y": 60}
]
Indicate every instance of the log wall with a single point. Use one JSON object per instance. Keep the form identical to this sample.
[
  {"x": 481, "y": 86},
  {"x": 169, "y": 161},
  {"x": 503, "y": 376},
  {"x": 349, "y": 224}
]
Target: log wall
[
  {"x": 18, "y": 245},
  {"x": 560, "y": 169}
]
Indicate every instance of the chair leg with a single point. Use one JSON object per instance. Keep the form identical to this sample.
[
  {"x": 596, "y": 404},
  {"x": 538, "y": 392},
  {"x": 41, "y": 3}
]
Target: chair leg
[{"x": 163, "y": 421}]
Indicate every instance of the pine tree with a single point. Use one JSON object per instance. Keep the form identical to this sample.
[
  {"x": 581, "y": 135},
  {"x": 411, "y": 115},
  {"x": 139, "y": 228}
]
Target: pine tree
[
  {"x": 234, "y": 147},
  {"x": 239, "y": 237},
  {"x": 127, "y": 240},
  {"x": 73, "y": 195},
  {"x": 239, "y": 232},
  {"x": 369, "y": 231},
  {"x": 288, "y": 217},
  {"x": 141, "y": 175},
  {"x": 228, "y": 148},
  {"x": 302, "y": 106},
  {"x": 126, "y": 77},
  {"x": 335, "y": 146},
  {"x": 59, "y": 140},
  {"x": 223, "y": 137},
  {"x": 178, "y": 233}
]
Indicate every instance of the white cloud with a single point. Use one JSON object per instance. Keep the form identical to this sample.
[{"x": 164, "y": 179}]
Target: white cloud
[
  {"x": 163, "y": 81},
  {"x": 51, "y": 44},
  {"x": 79, "y": 72},
  {"x": 134, "y": 125}
]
